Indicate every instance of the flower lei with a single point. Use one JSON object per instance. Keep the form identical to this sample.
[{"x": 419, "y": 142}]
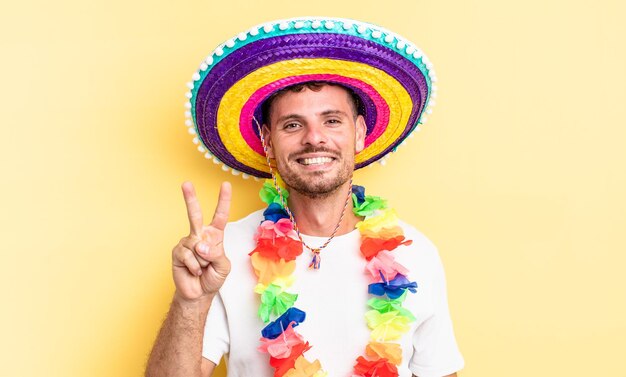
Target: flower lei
[{"x": 273, "y": 260}]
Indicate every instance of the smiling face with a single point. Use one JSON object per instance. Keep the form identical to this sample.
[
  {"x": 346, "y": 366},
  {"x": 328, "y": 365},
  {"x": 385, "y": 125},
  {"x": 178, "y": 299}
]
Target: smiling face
[{"x": 314, "y": 136}]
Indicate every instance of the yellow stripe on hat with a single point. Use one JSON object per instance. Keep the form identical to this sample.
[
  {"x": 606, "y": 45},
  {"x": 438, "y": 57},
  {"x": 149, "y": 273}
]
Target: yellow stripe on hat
[{"x": 228, "y": 114}]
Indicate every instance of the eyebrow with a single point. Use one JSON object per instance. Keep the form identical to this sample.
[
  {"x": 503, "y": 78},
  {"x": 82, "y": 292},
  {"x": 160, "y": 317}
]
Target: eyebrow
[
  {"x": 333, "y": 112},
  {"x": 298, "y": 116},
  {"x": 288, "y": 116}
]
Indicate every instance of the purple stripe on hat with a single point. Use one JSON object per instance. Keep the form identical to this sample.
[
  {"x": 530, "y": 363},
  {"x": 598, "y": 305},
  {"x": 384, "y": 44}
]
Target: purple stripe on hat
[{"x": 267, "y": 51}]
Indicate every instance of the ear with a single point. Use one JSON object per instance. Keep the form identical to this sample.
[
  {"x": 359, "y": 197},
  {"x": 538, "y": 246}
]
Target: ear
[
  {"x": 267, "y": 136},
  {"x": 361, "y": 129}
]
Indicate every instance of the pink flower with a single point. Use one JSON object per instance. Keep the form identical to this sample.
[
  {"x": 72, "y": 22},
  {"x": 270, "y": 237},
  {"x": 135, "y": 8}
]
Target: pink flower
[
  {"x": 281, "y": 346},
  {"x": 384, "y": 262},
  {"x": 271, "y": 230}
]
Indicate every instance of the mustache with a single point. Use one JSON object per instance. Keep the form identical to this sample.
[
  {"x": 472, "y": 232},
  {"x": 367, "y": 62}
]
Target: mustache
[{"x": 312, "y": 149}]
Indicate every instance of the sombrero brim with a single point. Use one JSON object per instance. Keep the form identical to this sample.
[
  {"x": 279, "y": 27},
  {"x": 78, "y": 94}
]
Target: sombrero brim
[{"x": 391, "y": 76}]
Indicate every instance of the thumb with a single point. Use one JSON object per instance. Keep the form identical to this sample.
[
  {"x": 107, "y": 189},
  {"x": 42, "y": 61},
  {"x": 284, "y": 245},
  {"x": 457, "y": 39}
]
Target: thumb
[{"x": 217, "y": 270}]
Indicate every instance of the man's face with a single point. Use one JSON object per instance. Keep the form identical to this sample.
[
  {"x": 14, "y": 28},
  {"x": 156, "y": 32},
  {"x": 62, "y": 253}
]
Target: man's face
[{"x": 314, "y": 138}]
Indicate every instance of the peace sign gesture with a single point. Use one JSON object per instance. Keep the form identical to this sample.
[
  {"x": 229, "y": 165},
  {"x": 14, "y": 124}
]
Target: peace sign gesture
[{"x": 199, "y": 264}]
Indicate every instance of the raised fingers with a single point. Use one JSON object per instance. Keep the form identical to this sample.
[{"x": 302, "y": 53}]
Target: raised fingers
[
  {"x": 194, "y": 213},
  {"x": 222, "y": 210}
]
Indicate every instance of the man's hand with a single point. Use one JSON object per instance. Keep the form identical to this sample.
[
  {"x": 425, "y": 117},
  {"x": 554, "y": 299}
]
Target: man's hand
[{"x": 199, "y": 264}]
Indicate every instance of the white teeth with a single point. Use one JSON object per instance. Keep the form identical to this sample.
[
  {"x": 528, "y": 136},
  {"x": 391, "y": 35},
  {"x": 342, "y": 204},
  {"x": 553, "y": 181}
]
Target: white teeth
[{"x": 316, "y": 160}]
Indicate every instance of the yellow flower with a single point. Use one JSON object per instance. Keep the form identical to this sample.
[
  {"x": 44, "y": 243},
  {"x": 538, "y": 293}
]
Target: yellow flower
[
  {"x": 383, "y": 233},
  {"x": 283, "y": 282},
  {"x": 386, "y": 218},
  {"x": 387, "y": 326}
]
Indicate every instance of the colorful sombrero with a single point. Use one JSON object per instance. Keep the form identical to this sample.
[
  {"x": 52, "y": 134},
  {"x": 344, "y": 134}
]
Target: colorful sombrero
[{"x": 392, "y": 77}]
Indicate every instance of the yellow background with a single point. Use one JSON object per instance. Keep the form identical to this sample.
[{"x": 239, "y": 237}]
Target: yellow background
[{"x": 519, "y": 176}]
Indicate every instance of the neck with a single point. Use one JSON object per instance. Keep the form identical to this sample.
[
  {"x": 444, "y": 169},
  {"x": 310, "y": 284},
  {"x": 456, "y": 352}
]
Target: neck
[{"x": 319, "y": 216}]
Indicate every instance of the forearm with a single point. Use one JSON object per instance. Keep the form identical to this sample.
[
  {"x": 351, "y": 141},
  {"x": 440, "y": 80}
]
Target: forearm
[{"x": 177, "y": 351}]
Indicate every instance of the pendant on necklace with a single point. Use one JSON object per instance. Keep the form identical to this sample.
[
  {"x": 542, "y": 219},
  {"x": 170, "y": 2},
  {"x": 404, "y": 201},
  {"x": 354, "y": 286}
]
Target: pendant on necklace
[{"x": 317, "y": 259}]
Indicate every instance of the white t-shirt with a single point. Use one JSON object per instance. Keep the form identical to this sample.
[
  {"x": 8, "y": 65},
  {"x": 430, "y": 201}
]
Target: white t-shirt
[{"x": 334, "y": 299}]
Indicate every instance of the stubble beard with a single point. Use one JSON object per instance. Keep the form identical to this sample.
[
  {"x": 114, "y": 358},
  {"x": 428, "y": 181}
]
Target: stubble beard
[{"x": 316, "y": 186}]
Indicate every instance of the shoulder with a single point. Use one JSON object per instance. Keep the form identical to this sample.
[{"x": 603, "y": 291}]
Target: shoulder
[
  {"x": 422, "y": 253},
  {"x": 238, "y": 243},
  {"x": 419, "y": 239},
  {"x": 239, "y": 235},
  {"x": 247, "y": 225}
]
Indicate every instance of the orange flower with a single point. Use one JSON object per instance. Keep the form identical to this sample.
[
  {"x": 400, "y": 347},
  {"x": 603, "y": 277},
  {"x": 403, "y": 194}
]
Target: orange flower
[
  {"x": 372, "y": 246},
  {"x": 267, "y": 269},
  {"x": 389, "y": 351},
  {"x": 303, "y": 368}
]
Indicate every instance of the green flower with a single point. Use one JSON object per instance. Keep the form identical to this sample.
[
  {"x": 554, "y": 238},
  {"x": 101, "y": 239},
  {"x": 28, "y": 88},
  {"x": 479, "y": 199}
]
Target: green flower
[
  {"x": 385, "y": 305},
  {"x": 369, "y": 206},
  {"x": 275, "y": 300},
  {"x": 269, "y": 194}
]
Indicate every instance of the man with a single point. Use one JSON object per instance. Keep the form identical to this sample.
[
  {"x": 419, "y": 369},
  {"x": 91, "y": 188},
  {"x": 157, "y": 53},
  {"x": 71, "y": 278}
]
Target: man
[{"x": 313, "y": 132}]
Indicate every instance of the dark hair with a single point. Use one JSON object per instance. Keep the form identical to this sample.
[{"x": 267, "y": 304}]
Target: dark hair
[{"x": 316, "y": 86}]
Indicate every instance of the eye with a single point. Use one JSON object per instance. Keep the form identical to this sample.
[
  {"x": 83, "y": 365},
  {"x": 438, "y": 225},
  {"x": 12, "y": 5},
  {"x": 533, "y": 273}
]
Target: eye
[
  {"x": 291, "y": 126},
  {"x": 333, "y": 121}
]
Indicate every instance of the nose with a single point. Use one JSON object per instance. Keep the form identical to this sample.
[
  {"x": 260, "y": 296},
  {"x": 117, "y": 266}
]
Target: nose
[{"x": 314, "y": 134}]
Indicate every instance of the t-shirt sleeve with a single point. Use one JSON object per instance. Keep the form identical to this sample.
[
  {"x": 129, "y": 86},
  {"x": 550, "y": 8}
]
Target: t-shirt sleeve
[
  {"x": 435, "y": 352},
  {"x": 216, "y": 337}
]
